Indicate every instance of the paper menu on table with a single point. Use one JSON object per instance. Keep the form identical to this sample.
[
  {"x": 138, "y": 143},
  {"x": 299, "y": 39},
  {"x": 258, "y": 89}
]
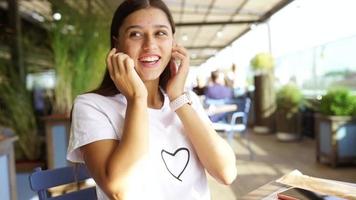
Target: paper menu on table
[{"x": 319, "y": 185}]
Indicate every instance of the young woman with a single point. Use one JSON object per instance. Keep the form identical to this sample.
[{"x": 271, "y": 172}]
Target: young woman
[{"x": 140, "y": 134}]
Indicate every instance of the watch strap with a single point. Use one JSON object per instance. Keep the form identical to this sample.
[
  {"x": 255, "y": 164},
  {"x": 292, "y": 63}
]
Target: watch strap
[{"x": 180, "y": 101}]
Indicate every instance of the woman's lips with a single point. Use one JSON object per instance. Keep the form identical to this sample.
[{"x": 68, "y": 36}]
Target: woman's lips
[{"x": 149, "y": 61}]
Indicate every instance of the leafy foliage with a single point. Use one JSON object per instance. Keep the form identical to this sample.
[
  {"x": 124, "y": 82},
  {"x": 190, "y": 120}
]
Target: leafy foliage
[
  {"x": 80, "y": 43},
  {"x": 262, "y": 62},
  {"x": 289, "y": 98},
  {"x": 338, "y": 101},
  {"x": 16, "y": 111}
]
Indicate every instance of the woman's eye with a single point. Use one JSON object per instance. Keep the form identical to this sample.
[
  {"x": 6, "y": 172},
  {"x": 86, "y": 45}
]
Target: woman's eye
[
  {"x": 161, "y": 33},
  {"x": 135, "y": 34}
]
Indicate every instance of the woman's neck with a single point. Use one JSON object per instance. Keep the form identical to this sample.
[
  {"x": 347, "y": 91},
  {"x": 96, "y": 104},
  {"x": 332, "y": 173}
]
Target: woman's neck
[{"x": 155, "y": 97}]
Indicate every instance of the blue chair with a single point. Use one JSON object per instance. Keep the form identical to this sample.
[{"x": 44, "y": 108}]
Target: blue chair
[
  {"x": 42, "y": 180},
  {"x": 237, "y": 122},
  {"x": 217, "y": 103}
]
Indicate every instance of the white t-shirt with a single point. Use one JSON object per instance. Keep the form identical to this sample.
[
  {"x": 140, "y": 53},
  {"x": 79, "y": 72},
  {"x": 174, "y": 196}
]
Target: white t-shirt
[{"x": 172, "y": 169}]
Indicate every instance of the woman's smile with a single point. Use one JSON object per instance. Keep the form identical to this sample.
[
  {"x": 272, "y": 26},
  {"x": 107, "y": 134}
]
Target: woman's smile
[{"x": 149, "y": 60}]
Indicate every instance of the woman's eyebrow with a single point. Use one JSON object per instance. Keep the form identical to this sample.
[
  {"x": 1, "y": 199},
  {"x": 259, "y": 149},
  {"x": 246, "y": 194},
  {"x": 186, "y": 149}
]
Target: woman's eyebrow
[
  {"x": 162, "y": 26},
  {"x": 141, "y": 27}
]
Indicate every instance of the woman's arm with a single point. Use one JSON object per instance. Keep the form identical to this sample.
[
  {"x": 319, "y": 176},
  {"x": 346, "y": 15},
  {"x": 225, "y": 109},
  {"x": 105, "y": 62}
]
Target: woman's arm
[
  {"x": 110, "y": 162},
  {"x": 213, "y": 151}
]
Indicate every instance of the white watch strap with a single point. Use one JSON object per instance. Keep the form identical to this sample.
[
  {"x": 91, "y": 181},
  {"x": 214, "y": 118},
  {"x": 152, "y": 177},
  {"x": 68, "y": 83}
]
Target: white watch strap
[{"x": 180, "y": 101}]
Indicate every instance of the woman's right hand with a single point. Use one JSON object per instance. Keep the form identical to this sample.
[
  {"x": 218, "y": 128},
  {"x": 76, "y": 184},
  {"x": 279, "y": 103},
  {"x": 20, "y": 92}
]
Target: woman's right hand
[{"x": 122, "y": 71}]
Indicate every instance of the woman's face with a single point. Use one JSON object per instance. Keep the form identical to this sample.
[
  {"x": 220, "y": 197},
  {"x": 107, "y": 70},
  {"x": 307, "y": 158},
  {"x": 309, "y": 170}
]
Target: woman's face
[{"x": 146, "y": 36}]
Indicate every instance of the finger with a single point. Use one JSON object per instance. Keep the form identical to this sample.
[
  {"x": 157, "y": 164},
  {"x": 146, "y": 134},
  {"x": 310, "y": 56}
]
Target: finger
[
  {"x": 129, "y": 64},
  {"x": 123, "y": 65},
  {"x": 178, "y": 56},
  {"x": 180, "y": 49},
  {"x": 109, "y": 61},
  {"x": 173, "y": 67},
  {"x": 181, "y": 53},
  {"x": 114, "y": 61},
  {"x": 184, "y": 61},
  {"x": 120, "y": 63}
]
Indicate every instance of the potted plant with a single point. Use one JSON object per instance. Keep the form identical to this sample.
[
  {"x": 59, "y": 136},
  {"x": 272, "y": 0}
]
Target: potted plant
[
  {"x": 79, "y": 43},
  {"x": 264, "y": 96},
  {"x": 18, "y": 114},
  {"x": 288, "y": 118},
  {"x": 336, "y": 127},
  {"x": 79, "y": 54}
]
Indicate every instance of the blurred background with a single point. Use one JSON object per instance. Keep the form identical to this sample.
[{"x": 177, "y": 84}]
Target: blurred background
[{"x": 295, "y": 59}]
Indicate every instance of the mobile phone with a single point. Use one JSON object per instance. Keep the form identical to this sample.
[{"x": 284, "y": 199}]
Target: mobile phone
[
  {"x": 301, "y": 194},
  {"x": 177, "y": 62}
]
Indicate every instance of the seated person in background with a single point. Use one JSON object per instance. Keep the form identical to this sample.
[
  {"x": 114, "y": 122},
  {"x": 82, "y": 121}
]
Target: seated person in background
[
  {"x": 234, "y": 79},
  {"x": 200, "y": 85},
  {"x": 217, "y": 90}
]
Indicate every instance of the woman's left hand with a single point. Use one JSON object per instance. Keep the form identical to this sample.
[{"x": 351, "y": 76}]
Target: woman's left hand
[{"x": 178, "y": 76}]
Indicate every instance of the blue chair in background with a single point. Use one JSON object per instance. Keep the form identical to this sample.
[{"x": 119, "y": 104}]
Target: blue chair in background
[
  {"x": 237, "y": 121},
  {"x": 42, "y": 180}
]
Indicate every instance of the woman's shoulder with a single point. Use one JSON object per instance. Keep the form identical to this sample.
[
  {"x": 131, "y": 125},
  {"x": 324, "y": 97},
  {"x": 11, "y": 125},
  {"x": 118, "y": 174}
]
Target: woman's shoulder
[
  {"x": 97, "y": 100},
  {"x": 94, "y": 97},
  {"x": 89, "y": 96}
]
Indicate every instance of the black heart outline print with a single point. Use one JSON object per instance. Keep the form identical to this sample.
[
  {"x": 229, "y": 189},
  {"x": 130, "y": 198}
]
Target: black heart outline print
[{"x": 173, "y": 154}]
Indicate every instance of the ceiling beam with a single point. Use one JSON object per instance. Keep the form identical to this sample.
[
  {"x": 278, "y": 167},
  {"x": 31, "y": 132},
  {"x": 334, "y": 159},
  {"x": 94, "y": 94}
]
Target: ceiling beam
[
  {"x": 275, "y": 9},
  {"x": 218, "y": 23}
]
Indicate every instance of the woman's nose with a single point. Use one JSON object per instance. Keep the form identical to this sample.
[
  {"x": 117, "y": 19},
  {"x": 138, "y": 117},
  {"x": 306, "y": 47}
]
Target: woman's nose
[{"x": 150, "y": 43}]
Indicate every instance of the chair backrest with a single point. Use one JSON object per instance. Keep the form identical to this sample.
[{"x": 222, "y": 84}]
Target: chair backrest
[
  {"x": 246, "y": 109},
  {"x": 243, "y": 105},
  {"x": 41, "y": 180},
  {"x": 209, "y": 101}
]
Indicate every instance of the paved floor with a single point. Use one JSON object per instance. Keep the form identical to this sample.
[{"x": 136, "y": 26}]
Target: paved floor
[{"x": 272, "y": 160}]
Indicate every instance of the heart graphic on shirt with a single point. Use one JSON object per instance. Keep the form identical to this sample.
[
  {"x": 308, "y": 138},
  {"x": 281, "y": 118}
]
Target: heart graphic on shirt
[{"x": 176, "y": 162}]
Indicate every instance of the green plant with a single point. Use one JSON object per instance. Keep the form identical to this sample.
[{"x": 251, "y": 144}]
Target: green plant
[
  {"x": 338, "y": 101},
  {"x": 262, "y": 62},
  {"x": 289, "y": 99},
  {"x": 17, "y": 113},
  {"x": 79, "y": 43}
]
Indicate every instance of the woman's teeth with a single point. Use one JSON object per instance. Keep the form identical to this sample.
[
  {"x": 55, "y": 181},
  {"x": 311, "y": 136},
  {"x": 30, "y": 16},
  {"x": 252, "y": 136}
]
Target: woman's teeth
[{"x": 150, "y": 59}]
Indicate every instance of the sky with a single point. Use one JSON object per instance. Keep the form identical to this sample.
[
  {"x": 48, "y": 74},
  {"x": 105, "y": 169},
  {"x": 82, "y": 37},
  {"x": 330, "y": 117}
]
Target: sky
[
  {"x": 299, "y": 26},
  {"x": 307, "y": 23}
]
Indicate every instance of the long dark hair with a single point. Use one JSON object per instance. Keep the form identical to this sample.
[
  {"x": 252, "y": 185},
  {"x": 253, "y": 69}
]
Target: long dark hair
[{"x": 107, "y": 86}]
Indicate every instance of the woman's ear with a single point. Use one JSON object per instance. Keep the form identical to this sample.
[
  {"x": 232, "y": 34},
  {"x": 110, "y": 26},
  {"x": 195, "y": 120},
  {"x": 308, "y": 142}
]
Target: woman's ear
[
  {"x": 174, "y": 41},
  {"x": 116, "y": 42}
]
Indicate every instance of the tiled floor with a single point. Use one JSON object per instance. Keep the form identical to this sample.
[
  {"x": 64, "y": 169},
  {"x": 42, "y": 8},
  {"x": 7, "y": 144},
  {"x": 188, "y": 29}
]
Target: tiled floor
[{"x": 272, "y": 160}]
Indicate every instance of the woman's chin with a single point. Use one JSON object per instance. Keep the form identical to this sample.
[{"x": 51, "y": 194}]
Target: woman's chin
[{"x": 150, "y": 77}]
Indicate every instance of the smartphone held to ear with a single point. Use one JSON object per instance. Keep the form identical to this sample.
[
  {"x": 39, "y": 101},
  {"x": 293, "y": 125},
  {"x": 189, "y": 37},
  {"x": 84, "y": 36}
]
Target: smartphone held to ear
[{"x": 177, "y": 62}]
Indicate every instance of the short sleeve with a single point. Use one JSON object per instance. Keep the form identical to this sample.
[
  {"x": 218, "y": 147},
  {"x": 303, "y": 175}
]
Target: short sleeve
[
  {"x": 90, "y": 123},
  {"x": 198, "y": 107}
]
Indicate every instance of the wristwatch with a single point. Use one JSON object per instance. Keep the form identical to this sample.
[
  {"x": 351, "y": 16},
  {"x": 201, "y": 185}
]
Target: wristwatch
[{"x": 180, "y": 101}]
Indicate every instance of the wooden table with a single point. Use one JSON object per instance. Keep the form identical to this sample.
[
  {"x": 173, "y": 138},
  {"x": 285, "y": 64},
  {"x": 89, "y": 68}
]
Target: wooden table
[
  {"x": 218, "y": 109},
  {"x": 268, "y": 191}
]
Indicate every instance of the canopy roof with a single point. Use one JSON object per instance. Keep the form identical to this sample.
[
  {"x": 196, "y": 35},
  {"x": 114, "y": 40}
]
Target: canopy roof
[{"x": 203, "y": 27}]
